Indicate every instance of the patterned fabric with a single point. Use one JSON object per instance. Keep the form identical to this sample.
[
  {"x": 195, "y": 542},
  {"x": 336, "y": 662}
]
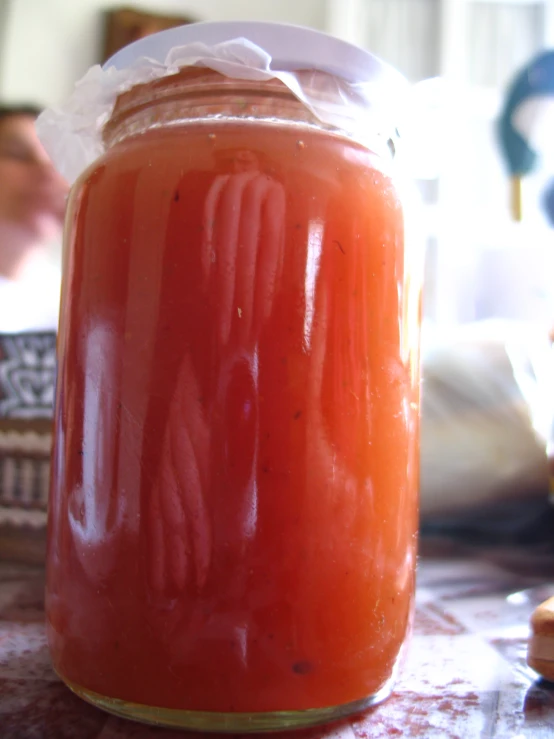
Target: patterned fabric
[
  {"x": 464, "y": 677},
  {"x": 27, "y": 382},
  {"x": 27, "y": 375}
]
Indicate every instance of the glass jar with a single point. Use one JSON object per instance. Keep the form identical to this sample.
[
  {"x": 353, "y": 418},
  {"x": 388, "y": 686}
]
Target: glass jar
[{"x": 233, "y": 516}]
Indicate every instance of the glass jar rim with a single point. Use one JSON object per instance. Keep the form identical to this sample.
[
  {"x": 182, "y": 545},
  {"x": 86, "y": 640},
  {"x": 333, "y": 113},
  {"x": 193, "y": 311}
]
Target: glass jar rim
[
  {"x": 200, "y": 94},
  {"x": 72, "y": 134}
]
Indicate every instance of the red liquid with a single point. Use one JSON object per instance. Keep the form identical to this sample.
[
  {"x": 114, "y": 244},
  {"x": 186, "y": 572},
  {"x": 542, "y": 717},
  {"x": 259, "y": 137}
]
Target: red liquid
[{"x": 233, "y": 514}]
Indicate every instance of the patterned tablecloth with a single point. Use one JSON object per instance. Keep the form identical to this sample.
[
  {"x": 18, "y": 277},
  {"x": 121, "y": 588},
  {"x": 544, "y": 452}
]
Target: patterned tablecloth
[{"x": 465, "y": 676}]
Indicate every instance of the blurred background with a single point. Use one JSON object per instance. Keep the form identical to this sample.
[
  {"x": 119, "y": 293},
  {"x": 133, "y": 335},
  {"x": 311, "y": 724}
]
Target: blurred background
[
  {"x": 480, "y": 263},
  {"x": 488, "y": 397}
]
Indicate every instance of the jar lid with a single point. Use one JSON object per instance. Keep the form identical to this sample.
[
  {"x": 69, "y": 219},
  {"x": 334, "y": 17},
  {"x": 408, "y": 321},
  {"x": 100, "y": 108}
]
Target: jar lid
[
  {"x": 344, "y": 87},
  {"x": 292, "y": 48}
]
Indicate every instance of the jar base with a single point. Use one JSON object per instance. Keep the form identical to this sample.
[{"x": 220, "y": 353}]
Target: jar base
[{"x": 208, "y": 721}]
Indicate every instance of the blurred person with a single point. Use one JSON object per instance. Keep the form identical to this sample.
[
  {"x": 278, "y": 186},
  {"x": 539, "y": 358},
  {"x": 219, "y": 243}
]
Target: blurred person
[{"x": 32, "y": 205}]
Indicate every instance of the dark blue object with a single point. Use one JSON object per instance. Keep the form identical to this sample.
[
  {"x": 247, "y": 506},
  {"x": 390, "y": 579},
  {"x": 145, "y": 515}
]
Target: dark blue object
[{"x": 534, "y": 80}]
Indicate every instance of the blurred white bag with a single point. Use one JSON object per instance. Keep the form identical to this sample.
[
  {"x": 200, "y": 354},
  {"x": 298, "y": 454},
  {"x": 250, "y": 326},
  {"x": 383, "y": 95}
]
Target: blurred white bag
[{"x": 487, "y": 406}]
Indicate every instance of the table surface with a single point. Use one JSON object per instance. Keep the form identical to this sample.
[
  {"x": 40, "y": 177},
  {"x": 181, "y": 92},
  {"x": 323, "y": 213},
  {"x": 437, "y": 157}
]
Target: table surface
[{"x": 465, "y": 676}]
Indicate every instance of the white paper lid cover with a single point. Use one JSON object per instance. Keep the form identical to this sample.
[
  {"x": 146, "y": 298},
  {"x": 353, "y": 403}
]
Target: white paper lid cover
[
  {"x": 291, "y": 48},
  {"x": 359, "y": 94}
]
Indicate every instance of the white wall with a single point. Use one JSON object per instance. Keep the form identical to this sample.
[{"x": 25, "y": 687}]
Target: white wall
[{"x": 49, "y": 44}]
